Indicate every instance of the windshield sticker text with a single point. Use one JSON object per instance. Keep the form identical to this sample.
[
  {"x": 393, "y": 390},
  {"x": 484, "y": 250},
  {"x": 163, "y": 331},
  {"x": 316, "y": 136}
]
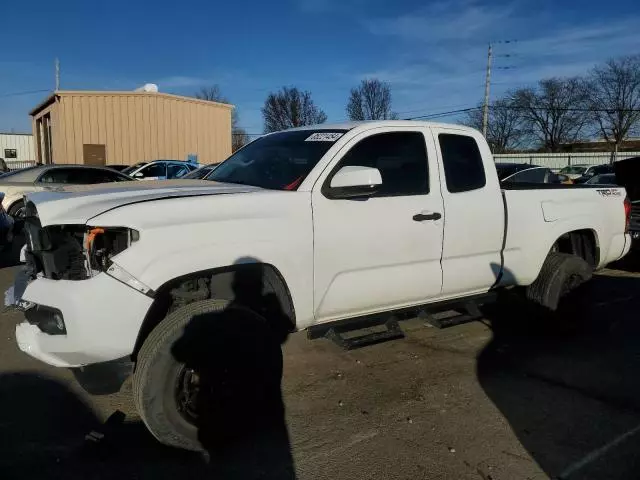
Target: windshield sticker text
[{"x": 323, "y": 137}]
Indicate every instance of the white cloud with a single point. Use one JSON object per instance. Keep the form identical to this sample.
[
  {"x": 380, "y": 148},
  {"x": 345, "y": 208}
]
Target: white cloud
[
  {"x": 446, "y": 21},
  {"x": 444, "y": 46}
]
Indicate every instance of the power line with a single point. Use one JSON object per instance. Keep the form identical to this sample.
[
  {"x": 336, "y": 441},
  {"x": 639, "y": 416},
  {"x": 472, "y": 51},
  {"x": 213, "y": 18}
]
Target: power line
[
  {"x": 28, "y": 92},
  {"x": 443, "y": 114}
]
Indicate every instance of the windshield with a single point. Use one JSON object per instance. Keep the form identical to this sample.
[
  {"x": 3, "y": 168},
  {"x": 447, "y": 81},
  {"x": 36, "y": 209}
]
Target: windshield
[
  {"x": 604, "y": 179},
  {"x": 575, "y": 170},
  {"x": 130, "y": 169},
  {"x": 280, "y": 161},
  {"x": 201, "y": 172}
]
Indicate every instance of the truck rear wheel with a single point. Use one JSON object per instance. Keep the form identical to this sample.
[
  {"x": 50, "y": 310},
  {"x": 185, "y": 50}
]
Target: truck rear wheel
[
  {"x": 561, "y": 273},
  {"x": 168, "y": 380}
]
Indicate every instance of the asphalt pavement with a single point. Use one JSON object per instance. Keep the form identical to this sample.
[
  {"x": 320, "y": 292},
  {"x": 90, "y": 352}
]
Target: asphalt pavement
[{"x": 509, "y": 397}]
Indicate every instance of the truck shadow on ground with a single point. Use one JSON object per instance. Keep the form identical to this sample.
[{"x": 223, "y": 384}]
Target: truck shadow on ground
[{"x": 570, "y": 390}]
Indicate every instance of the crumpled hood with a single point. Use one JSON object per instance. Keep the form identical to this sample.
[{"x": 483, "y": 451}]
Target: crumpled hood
[{"x": 77, "y": 204}]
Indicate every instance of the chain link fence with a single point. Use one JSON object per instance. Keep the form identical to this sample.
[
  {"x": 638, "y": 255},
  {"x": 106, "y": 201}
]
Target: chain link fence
[{"x": 560, "y": 160}]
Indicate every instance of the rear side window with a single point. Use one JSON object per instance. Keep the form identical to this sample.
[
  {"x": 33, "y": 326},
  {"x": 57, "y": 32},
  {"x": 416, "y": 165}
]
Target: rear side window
[
  {"x": 56, "y": 175},
  {"x": 90, "y": 176},
  {"x": 533, "y": 175},
  {"x": 401, "y": 158},
  {"x": 463, "y": 166}
]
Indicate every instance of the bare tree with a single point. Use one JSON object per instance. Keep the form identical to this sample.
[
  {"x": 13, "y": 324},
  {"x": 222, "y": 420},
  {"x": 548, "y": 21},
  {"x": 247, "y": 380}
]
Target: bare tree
[
  {"x": 505, "y": 130},
  {"x": 614, "y": 98},
  {"x": 554, "y": 111},
  {"x": 289, "y": 108},
  {"x": 371, "y": 100},
  {"x": 212, "y": 94},
  {"x": 239, "y": 136}
]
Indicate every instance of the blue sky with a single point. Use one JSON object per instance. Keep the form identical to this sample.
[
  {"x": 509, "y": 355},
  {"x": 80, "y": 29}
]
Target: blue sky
[{"x": 432, "y": 53}]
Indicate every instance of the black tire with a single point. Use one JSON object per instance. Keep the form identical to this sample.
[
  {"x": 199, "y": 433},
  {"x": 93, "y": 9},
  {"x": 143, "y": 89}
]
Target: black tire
[
  {"x": 170, "y": 350},
  {"x": 560, "y": 274},
  {"x": 17, "y": 210}
]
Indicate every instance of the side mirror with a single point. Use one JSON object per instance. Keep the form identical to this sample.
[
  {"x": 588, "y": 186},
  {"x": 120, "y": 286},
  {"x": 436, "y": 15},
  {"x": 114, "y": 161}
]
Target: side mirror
[
  {"x": 138, "y": 175},
  {"x": 353, "y": 182}
]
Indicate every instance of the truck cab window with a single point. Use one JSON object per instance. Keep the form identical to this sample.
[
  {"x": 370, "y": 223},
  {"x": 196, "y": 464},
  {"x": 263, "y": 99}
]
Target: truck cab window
[
  {"x": 401, "y": 158},
  {"x": 463, "y": 166},
  {"x": 531, "y": 175}
]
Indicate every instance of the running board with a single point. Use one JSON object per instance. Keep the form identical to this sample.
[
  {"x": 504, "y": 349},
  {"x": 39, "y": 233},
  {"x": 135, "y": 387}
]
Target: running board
[
  {"x": 335, "y": 331},
  {"x": 464, "y": 311},
  {"x": 392, "y": 332}
]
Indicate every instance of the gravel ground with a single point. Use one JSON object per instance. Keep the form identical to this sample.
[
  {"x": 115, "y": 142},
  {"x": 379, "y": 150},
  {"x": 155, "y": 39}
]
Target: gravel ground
[{"x": 504, "y": 398}]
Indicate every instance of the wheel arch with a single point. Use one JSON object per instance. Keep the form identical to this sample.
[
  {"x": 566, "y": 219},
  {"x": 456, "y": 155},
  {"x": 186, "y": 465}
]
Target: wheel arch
[
  {"x": 583, "y": 243},
  {"x": 216, "y": 283}
]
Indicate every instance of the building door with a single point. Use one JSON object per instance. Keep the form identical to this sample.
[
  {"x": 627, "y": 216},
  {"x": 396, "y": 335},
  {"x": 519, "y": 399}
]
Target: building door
[{"x": 94, "y": 154}]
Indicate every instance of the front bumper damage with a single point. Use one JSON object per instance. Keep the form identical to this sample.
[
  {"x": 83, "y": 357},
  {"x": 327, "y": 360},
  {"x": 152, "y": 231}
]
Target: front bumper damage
[{"x": 101, "y": 319}]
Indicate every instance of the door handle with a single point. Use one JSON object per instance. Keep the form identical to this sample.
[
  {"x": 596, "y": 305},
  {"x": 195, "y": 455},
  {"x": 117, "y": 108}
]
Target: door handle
[{"x": 421, "y": 217}]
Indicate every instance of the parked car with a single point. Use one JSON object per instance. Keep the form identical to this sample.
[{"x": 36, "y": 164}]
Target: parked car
[
  {"x": 133, "y": 167},
  {"x": 594, "y": 170},
  {"x": 575, "y": 172},
  {"x": 201, "y": 172},
  {"x": 119, "y": 168},
  {"x": 162, "y": 170},
  {"x": 6, "y": 226},
  {"x": 16, "y": 184},
  {"x": 602, "y": 179},
  {"x": 325, "y": 228},
  {"x": 525, "y": 173},
  {"x": 628, "y": 175}
]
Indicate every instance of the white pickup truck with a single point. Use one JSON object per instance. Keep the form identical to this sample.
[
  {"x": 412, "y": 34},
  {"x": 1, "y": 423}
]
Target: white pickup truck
[{"x": 338, "y": 223}]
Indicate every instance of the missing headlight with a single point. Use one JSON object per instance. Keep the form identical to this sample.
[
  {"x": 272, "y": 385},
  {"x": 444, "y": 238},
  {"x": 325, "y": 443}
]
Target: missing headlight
[{"x": 101, "y": 244}]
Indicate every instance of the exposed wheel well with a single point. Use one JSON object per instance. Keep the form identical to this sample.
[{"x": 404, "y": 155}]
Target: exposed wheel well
[
  {"x": 259, "y": 286},
  {"x": 582, "y": 243},
  {"x": 14, "y": 204}
]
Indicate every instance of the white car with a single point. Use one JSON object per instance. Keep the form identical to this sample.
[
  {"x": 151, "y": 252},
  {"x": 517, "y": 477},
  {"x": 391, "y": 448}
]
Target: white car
[
  {"x": 575, "y": 172},
  {"x": 323, "y": 228},
  {"x": 15, "y": 185},
  {"x": 160, "y": 170}
]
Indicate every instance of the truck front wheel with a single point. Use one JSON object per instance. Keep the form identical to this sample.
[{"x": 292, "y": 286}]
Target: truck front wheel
[
  {"x": 561, "y": 273},
  {"x": 191, "y": 365}
]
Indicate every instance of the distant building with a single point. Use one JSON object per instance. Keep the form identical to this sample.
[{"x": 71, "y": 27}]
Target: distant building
[
  {"x": 123, "y": 128},
  {"x": 17, "y": 147}
]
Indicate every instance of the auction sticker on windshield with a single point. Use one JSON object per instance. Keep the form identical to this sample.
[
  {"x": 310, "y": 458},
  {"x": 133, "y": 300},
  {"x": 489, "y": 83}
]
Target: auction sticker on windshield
[{"x": 324, "y": 137}]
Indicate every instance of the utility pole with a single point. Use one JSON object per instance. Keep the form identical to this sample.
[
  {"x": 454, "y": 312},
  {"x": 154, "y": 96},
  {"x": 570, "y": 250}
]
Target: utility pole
[
  {"x": 57, "y": 74},
  {"x": 487, "y": 83}
]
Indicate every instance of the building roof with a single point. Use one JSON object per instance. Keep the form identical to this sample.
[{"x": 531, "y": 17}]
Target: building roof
[{"x": 81, "y": 93}]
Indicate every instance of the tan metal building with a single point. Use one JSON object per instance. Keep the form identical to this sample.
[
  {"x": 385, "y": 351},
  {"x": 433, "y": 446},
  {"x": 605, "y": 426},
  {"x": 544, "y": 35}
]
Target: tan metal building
[{"x": 123, "y": 128}]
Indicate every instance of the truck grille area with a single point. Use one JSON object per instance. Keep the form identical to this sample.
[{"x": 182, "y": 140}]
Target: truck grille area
[{"x": 55, "y": 251}]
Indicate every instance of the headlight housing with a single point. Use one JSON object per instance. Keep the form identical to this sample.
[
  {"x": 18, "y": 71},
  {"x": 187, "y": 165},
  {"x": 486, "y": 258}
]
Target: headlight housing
[{"x": 100, "y": 244}]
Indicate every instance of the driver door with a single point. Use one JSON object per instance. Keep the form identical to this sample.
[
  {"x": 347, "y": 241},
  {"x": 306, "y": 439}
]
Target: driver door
[{"x": 380, "y": 252}]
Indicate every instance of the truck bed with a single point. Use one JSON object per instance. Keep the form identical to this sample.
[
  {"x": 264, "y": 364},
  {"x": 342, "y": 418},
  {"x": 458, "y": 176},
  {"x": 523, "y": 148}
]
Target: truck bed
[
  {"x": 537, "y": 215},
  {"x": 552, "y": 186}
]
